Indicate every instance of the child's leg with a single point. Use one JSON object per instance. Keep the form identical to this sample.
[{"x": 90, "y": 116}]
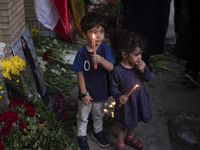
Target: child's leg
[
  {"x": 82, "y": 118},
  {"x": 132, "y": 140},
  {"x": 130, "y": 133},
  {"x": 120, "y": 136},
  {"x": 97, "y": 116}
]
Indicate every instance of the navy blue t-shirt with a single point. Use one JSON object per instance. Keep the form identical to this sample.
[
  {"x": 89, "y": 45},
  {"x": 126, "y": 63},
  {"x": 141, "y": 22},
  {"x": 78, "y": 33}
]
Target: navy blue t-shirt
[{"x": 96, "y": 80}]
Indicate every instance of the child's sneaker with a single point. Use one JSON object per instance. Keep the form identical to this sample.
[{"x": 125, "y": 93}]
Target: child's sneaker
[
  {"x": 100, "y": 139},
  {"x": 82, "y": 143}
]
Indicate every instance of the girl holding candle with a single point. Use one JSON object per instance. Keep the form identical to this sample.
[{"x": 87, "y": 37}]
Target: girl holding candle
[
  {"x": 130, "y": 71},
  {"x": 93, "y": 81}
]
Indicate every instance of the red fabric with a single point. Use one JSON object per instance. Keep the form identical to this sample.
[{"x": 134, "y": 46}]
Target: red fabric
[{"x": 62, "y": 26}]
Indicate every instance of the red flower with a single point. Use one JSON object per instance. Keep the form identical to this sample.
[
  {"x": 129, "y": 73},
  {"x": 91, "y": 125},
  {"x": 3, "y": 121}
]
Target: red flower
[
  {"x": 22, "y": 126},
  {"x": 3, "y": 116},
  {"x": 14, "y": 102},
  {"x": 7, "y": 129},
  {"x": 0, "y": 139},
  {"x": 9, "y": 117},
  {"x": 45, "y": 56},
  {"x": 1, "y": 147},
  {"x": 19, "y": 101},
  {"x": 112, "y": 1},
  {"x": 41, "y": 122},
  {"x": 30, "y": 110},
  {"x": 47, "y": 66},
  {"x": 14, "y": 116}
]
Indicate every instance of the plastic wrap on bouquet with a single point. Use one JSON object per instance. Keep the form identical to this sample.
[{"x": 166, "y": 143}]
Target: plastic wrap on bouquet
[
  {"x": 4, "y": 101},
  {"x": 28, "y": 85}
]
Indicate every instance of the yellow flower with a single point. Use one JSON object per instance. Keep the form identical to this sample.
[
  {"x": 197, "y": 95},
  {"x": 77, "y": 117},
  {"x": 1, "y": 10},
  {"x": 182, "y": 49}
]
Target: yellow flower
[
  {"x": 17, "y": 81},
  {"x": 1, "y": 87},
  {"x": 34, "y": 32},
  {"x": 0, "y": 96},
  {"x": 12, "y": 66}
]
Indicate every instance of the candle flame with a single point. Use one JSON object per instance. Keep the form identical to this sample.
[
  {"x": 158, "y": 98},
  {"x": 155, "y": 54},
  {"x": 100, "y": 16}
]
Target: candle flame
[{"x": 93, "y": 35}]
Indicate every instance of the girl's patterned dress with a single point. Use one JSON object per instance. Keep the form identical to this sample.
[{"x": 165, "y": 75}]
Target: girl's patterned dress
[{"x": 138, "y": 107}]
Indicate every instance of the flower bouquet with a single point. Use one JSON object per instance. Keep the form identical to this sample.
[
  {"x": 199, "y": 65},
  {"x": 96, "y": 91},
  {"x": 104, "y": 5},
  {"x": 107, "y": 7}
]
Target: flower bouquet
[{"x": 26, "y": 127}]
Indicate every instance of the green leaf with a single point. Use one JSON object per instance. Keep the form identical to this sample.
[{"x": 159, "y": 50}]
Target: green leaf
[{"x": 36, "y": 144}]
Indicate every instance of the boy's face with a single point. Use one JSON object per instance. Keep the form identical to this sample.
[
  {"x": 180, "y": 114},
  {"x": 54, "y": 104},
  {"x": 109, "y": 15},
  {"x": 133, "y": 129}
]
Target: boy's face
[{"x": 99, "y": 35}]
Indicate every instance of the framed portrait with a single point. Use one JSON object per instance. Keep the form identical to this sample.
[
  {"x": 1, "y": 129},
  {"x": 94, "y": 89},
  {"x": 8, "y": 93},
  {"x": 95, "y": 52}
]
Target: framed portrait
[{"x": 24, "y": 48}]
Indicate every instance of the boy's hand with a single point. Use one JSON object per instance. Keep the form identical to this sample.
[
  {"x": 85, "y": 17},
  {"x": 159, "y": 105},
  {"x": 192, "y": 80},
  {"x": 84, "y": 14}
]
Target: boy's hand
[
  {"x": 86, "y": 100},
  {"x": 141, "y": 65},
  {"x": 122, "y": 99},
  {"x": 96, "y": 59}
]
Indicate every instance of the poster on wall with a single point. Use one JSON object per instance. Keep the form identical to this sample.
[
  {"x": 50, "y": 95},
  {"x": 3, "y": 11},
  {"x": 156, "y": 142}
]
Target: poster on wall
[{"x": 24, "y": 48}]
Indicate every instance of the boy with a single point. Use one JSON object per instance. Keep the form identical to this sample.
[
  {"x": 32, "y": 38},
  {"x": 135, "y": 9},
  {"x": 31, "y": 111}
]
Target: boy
[{"x": 93, "y": 83}]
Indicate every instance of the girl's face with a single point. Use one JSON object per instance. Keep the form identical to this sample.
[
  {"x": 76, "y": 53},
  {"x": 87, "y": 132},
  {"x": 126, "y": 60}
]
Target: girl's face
[
  {"x": 134, "y": 57},
  {"x": 23, "y": 44},
  {"x": 99, "y": 35}
]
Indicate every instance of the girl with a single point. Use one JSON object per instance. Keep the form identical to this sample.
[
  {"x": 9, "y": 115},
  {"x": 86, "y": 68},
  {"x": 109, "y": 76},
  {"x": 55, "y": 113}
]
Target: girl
[{"x": 130, "y": 71}]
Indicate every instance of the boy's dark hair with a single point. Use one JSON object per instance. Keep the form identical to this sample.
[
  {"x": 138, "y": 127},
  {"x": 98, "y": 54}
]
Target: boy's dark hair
[
  {"x": 90, "y": 20},
  {"x": 124, "y": 40}
]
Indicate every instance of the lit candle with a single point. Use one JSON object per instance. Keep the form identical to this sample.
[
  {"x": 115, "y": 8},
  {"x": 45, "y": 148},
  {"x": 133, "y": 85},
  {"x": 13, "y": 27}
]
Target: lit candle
[
  {"x": 112, "y": 114},
  {"x": 105, "y": 110},
  {"x": 113, "y": 103},
  {"x": 94, "y": 49},
  {"x": 130, "y": 92},
  {"x": 110, "y": 106}
]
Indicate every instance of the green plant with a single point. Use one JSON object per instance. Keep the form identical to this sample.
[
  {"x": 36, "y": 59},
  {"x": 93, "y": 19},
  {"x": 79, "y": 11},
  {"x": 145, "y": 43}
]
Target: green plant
[
  {"x": 55, "y": 67},
  {"x": 159, "y": 63}
]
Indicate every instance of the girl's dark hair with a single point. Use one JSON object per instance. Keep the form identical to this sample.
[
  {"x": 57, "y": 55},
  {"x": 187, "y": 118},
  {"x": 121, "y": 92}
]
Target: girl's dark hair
[
  {"x": 126, "y": 41},
  {"x": 90, "y": 20}
]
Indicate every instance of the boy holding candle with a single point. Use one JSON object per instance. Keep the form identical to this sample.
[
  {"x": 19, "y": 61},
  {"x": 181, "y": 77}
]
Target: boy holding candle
[
  {"x": 93, "y": 82},
  {"x": 130, "y": 75}
]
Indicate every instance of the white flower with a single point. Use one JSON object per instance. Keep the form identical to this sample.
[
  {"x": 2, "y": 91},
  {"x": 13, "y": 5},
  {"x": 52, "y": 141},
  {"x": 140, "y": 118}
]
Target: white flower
[
  {"x": 42, "y": 63},
  {"x": 69, "y": 58},
  {"x": 63, "y": 69},
  {"x": 55, "y": 41},
  {"x": 56, "y": 72},
  {"x": 2, "y": 51}
]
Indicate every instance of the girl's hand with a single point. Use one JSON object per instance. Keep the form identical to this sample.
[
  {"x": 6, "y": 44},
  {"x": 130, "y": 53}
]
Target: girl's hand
[
  {"x": 141, "y": 65},
  {"x": 86, "y": 100},
  {"x": 122, "y": 99},
  {"x": 96, "y": 59}
]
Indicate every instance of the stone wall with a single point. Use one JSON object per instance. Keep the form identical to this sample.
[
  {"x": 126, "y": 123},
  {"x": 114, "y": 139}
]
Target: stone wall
[
  {"x": 15, "y": 16},
  {"x": 31, "y": 20},
  {"x": 12, "y": 21}
]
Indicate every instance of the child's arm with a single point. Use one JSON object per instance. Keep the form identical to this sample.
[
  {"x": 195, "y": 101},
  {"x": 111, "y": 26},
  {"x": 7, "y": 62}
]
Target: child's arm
[
  {"x": 100, "y": 60},
  {"x": 86, "y": 99},
  {"x": 145, "y": 73},
  {"x": 122, "y": 99}
]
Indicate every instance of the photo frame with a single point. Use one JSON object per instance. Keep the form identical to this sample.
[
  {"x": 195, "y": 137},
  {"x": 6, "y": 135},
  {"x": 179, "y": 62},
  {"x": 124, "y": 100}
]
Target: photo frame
[{"x": 24, "y": 48}]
